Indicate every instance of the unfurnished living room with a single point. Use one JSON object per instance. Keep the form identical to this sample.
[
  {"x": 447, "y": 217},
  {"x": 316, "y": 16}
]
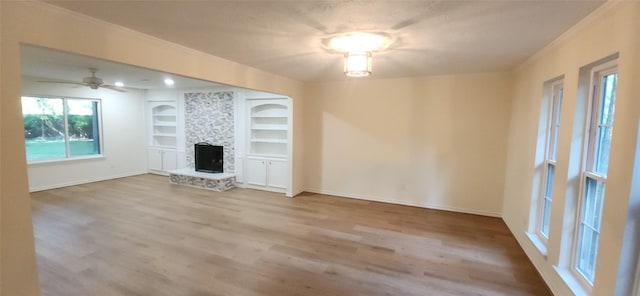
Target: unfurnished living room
[{"x": 436, "y": 147}]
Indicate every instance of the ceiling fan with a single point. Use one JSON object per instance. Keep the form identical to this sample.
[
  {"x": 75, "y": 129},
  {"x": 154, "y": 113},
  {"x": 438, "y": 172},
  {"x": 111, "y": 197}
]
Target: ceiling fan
[{"x": 91, "y": 81}]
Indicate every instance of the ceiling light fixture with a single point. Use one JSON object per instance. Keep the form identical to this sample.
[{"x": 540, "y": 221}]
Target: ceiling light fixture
[
  {"x": 169, "y": 81},
  {"x": 357, "y": 48},
  {"x": 119, "y": 84},
  {"x": 357, "y": 64}
]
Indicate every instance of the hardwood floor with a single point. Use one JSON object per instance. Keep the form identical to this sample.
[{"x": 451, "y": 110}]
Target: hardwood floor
[{"x": 144, "y": 236}]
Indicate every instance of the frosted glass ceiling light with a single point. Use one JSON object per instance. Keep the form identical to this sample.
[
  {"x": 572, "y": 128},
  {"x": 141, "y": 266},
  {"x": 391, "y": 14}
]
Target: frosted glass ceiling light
[
  {"x": 357, "y": 48},
  {"x": 357, "y": 64}
]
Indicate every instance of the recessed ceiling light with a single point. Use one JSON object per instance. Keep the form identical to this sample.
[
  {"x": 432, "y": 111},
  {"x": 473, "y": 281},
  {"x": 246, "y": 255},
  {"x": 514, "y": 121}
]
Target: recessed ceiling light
[
  {"x": 119, "y": 84},
  {"x": 169, "y": 81}
]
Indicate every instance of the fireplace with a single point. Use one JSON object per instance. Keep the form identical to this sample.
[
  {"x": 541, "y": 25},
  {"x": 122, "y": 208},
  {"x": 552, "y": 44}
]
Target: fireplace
[{"x": 209, "y": 158}]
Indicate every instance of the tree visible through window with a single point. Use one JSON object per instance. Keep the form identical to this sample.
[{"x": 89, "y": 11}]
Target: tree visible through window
[{"x": 59, "y": 128}]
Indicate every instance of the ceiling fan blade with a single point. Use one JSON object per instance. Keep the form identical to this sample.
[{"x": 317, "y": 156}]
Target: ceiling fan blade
[
  {"x": 62, "y": 81},
  {"x": 111, "y": 87}
]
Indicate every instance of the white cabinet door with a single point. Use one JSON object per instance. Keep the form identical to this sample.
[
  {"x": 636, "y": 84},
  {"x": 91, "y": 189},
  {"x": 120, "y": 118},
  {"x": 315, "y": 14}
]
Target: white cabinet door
[
  {"x": 161, "y": 160},
  {"x": 169, "y": 160},
  {"x": 277, "y": 174},
  {"x": 155, "y": 159},
  {"x": 256, "y": 173}
]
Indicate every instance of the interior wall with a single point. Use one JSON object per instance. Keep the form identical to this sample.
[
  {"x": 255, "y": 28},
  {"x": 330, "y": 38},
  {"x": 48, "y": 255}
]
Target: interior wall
[
  {"x": 611, "y": 29},
  {"x": 123, "y": 137},
  {"x": 435, "y": 142},
  {"x": 40, "y": 24}
]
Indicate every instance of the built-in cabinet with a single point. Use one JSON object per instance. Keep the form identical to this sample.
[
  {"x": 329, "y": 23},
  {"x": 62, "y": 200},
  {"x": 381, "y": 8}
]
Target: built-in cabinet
[
  {"x": 267, "y": 173},
  {"x": 266, "y": 165},
  {"x": 163, "y": 136},
  {"x": 162, "y": 160}
]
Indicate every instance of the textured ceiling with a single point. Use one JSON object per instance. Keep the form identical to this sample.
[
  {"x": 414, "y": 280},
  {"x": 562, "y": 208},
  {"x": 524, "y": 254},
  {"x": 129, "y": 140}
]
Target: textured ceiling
[{"x": 286, "y": 37}]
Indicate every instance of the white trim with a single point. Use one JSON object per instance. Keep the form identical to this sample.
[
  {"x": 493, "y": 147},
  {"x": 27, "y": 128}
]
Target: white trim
[
  {"x": 85, "y": 181},
  {"x": 406, "y": 203},
  {"x": 588, "y": 152},
  {"x": 537, "y": 241},
  {"x": 288, "y": 194},
  {"x": 573, "y": 281},
  {"x": 554, "y": 90}
]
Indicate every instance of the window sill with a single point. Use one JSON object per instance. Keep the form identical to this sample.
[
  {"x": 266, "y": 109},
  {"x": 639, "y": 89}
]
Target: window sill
[
  {"x": 572, "y": 281},
  {"x": 538, "y": 243},
  {"x": 65, "y": 160}
]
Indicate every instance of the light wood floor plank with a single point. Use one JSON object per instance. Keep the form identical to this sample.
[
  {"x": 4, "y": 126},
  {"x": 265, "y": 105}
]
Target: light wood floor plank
[{"x": 144, "y": 236}]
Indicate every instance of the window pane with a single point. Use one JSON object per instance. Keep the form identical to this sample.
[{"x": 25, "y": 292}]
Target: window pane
[
  {"x": 546, "y": 203},
  {"x": 587, "y": 252},
  {"x": 43, "y": 128},
  {"x": 603, "y": 140},
  {"x": 555, "y": 124},
  {"x": 84, "y": 138},
  {"x": 549, "y": 182},
  {"x": 593, "y": 199},
  {"x": 546, "y": 214},
  {"x": 590, "y": 227}
]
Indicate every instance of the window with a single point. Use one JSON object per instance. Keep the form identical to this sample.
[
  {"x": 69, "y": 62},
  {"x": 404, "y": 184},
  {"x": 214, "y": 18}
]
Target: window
[
  {"x": 594, "y": 169},
  {"x": 550, "y": 155},
  {"x": 60, "y": 128}
]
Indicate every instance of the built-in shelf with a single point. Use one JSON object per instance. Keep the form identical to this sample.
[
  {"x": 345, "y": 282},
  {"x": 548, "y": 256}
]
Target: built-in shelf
[
  {"x": 163, "y": 124},
  {"x": 268, "y": 116},
  {"x": 268, "y": 128},
  {"x": 275, "y": 141}
]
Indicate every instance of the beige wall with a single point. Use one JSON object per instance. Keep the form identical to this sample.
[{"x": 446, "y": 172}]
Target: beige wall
[
  {"x": 612, "y": 29},
  {"x": 40, "y": 24},
  {"x": 436, "y": 142}
]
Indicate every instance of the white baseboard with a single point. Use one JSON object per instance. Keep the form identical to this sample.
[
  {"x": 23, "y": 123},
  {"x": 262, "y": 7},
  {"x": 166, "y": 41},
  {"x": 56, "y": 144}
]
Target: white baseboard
[
  {"x": 85, "y": 181},
  {"x": 289, "y": 194},
  {"x": 406, "y": 203}
]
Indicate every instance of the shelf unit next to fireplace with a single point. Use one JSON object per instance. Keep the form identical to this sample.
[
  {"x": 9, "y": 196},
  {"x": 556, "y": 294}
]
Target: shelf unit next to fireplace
[
  {"x": 268, "y": 127},
  {"x": 163, "y": 129},
  {"x": 268, "y": 140}
]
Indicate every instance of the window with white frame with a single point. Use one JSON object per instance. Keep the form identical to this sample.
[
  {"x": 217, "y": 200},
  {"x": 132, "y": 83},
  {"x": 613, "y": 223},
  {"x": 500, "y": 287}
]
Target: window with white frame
[
  {"x": 550, "y": 156},
  {"x": 60, "y": 128},
  {"x": 594, "y": 169}
]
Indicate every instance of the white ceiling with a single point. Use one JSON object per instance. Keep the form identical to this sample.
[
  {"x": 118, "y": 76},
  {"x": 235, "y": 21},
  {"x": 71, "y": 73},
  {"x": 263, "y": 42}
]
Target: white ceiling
[{"x": 431, "y": 37}]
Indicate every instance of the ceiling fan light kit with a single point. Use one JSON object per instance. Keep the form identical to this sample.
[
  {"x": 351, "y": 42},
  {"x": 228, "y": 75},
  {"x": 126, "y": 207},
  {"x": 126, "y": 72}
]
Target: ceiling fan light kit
[{"x": 357, "y": 48}]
